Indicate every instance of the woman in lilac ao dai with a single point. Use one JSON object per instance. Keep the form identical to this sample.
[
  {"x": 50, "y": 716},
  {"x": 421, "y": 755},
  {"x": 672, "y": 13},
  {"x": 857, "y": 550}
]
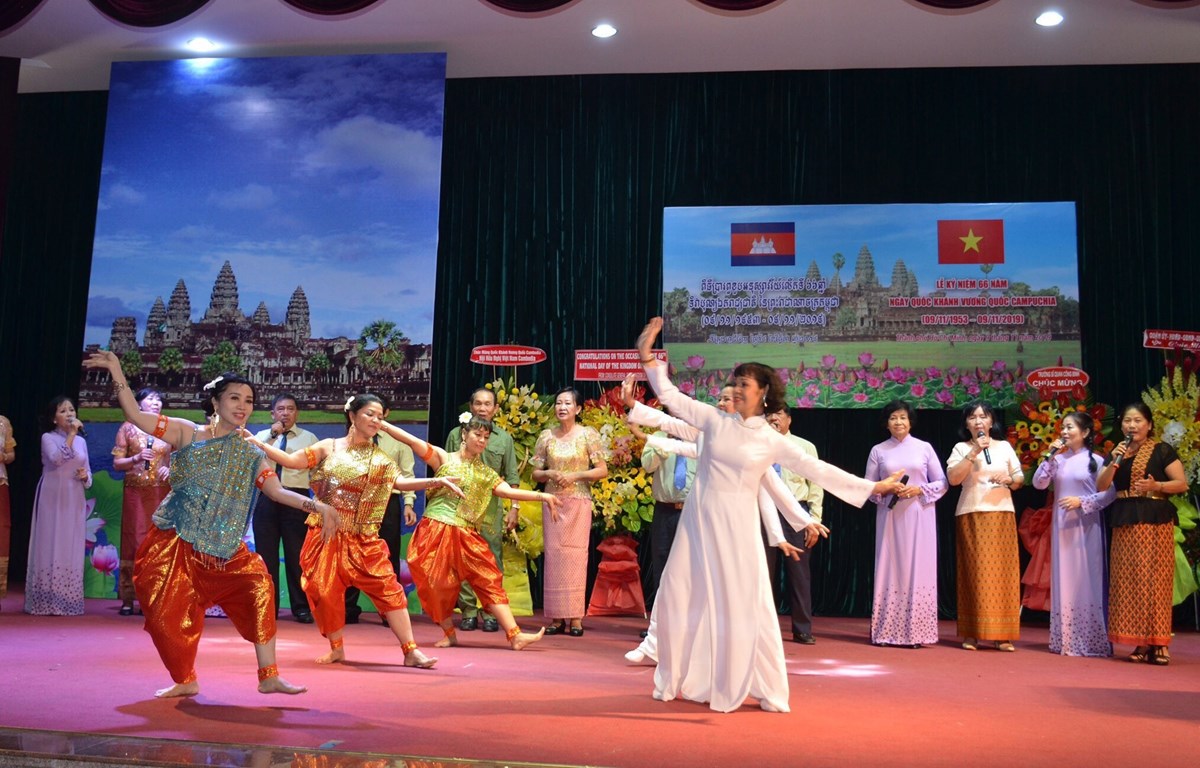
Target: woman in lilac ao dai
[
  {"x": 904, "y": 610},
  {"x": 1078, "y": 605}
]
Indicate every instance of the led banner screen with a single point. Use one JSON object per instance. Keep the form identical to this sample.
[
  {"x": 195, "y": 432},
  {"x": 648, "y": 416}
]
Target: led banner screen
[{"x": 857, "y": 305}]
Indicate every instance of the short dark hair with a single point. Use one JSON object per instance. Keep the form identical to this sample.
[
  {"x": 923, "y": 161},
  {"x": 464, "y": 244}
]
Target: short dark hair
[
  {"x": 969, "y": 409},
  {"x": 284, "y": 396},
  {"x": 477, "y": 390},
  {"x": 900, "y": 405},
  {"x": 145, "y": 392},
  {"x": 578, "y": 398},
  {"x": 768, "y": 379}
]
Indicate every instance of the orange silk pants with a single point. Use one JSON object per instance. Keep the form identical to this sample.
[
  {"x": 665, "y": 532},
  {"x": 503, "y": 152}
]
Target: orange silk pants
[
  {"x": 175, "y": 585},
  {"x": 443, "y": 556},
  {"x": 349, "y": 560}
]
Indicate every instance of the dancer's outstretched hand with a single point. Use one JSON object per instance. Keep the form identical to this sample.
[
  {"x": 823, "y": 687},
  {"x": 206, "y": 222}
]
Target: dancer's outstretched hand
[
  {"x": 628, "y": 388},
  {"x": 645, "y": 341}
]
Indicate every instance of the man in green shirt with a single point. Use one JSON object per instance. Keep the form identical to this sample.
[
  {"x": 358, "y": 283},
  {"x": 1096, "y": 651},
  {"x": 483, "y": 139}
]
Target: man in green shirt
[{"x": 500, "y": 456}]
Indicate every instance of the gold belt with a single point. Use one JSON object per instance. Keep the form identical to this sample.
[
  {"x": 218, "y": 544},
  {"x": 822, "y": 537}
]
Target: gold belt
[{"x": 1136, "y": 495}]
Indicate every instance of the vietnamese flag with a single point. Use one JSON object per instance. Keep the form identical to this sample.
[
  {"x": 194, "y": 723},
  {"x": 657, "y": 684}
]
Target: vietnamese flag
[
  {"x": 970, "y": 241},
  {"x": 762, "y": 244}
]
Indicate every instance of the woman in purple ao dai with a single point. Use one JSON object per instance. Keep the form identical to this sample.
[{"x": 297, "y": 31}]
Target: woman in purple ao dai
[
  {"x": 1078, "y": 608},
  {"x": 904, "y": 610}
]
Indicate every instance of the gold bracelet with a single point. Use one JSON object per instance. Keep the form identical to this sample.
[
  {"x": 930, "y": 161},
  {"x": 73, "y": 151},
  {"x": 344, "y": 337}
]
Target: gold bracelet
[
  {"x": 118, "y": 386},
  {"x": 647, "y": 361}
]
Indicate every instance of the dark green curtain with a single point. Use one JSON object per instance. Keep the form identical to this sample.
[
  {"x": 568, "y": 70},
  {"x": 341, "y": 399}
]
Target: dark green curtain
[
  {"x": 553, "y": 189},
  {"x": 46, "y": 267}
]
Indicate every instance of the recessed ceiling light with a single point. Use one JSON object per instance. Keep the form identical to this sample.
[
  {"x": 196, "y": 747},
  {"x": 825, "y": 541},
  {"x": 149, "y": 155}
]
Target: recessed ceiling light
[
  {"x": 604, "y": 30},
  {"x": 1050, "y": 19},
  {"x": 200, "y": 45}
]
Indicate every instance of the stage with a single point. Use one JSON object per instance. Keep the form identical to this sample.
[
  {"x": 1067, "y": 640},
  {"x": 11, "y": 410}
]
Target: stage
[{"x": 575, "y": 701}]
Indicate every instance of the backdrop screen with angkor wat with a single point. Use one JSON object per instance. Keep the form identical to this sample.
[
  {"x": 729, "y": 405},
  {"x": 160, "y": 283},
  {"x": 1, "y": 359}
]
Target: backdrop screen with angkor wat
[
  {"x": 276, "y": 217},
  {"x": 857, "y": 305}
]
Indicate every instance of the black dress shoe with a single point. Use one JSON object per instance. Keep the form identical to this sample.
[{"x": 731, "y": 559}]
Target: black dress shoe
[
  {"x": 557, "y": 628},
  {"x": 575, "y": 631},
  {"x": 126, "y": 610},
  {"x": 490, "y": 624},
  {"x": 303, "y": 618},
  {"x": 803, "y": 638},
  {"x": 469, "y": 623}
]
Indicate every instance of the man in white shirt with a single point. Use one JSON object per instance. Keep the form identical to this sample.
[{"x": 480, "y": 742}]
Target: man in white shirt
[
  {"x": 799, "y": 573},
  {"x": 274, "y": 523}
]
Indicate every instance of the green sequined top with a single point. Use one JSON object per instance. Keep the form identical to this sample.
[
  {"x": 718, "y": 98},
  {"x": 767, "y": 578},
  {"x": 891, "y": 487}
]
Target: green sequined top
[
  {"x": 357, "y": 482},
  {"x": 476, "y": 480},
  {"x": 212, "y": 494}
]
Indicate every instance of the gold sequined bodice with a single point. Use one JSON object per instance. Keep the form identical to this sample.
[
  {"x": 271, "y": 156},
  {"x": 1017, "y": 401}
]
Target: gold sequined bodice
[{"x": 357, "y": 482}]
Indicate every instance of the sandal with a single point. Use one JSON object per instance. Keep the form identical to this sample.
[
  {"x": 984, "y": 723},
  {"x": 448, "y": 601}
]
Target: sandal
[
  {"x": 970, "y": 644},
  {"x": 1005, "y": 645},
  {"x": 1140, "y": 654},
  {"x": 1159, "y": 655}
]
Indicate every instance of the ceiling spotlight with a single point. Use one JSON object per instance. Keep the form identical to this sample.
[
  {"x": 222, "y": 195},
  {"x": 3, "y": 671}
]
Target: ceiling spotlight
[
  {"x": 604, "y": 30},
  {"x": 1049, "y": 19},
  {"x": 200, "y": 45}
]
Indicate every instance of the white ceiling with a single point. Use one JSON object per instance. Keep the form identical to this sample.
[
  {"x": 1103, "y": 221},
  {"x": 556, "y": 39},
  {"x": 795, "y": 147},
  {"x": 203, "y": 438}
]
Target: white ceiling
[{"x": 68, "y": 44}]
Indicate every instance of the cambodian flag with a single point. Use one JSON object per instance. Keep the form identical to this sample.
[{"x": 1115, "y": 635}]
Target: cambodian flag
[{"x": 766, "y": 244}]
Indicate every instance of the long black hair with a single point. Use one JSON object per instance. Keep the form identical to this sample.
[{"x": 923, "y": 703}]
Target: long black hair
[
  {"x": 360, "y": 401},
  {"x": 215, "y": 388},
  {"x": 51, "y": 412},
  {"x": 1084, "y": 421}
]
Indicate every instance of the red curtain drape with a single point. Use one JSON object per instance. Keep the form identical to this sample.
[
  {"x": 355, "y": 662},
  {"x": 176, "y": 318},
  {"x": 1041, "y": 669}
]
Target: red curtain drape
[
  {"x": 14, "y": 12},
  {"x": 148, "y": 13},
  {"x": 330, "y": 7}
]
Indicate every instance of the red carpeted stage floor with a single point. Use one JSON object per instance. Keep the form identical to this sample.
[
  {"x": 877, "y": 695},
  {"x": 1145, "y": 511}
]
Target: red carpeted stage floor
[{"x": 575, "y": 701}]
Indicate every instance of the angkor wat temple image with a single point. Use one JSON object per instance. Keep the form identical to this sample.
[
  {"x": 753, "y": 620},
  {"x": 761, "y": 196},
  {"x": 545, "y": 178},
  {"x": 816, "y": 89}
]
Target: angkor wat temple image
[{"x": 178, "y": 354}]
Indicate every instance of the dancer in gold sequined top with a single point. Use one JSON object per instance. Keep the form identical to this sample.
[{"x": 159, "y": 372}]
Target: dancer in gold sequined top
[
  {"x": 193, "y": 557},
  {"x": 447, "y": 548},
  {"x": 356, "y": 478}
]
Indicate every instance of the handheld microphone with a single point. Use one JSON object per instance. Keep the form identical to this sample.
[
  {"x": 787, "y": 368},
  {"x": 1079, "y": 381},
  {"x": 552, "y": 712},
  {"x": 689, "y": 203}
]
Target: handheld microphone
[
  {"x": 896, "y": 497},
  {"x": 1053, "y": 450},
  {"x": 987, "y": 455},
  {"x": 149, "y": 444},
  {"x": 80, "y": 431},
  {"x": 1128, "y": 439}
]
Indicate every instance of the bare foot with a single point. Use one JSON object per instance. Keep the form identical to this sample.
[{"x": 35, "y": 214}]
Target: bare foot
[
  {"x": 334, "y": 656},
  {"x": 276, "y": 684},
  {"x": 447, "y": 641},
  {"x": 179, "y": 689},
  {"x": 415, "y": 658},
  {"x": 523, "y": 639}
]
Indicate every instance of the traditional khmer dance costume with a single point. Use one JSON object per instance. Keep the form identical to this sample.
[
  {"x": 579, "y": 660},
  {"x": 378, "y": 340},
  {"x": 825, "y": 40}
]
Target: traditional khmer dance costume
[
  {"x": 194, "y": 556},
  {"x": 357, "y": 482},
  {"x": 446, "y": 549}
]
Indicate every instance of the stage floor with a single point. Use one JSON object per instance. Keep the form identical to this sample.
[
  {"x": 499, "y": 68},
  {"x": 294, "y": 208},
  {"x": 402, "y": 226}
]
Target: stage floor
[{"x": 575, "y": 701}]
